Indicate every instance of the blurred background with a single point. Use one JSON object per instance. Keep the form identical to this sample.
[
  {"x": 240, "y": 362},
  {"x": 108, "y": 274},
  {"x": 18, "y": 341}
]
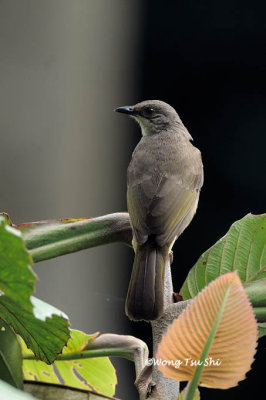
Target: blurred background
[{"x": 64, "y": 66}]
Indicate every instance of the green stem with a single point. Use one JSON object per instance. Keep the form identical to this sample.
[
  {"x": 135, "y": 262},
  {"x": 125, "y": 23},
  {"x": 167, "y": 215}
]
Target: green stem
[
  {"x": 104, "y": 352},
  {"x": 260, "y": 313},
  {"x": 256, "y": 292},
  {"x": 49, "y": 239}
]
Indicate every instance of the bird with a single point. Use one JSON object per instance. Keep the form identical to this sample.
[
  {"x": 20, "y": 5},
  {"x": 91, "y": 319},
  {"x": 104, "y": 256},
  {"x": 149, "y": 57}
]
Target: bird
[{"x": 164, "y": 178}]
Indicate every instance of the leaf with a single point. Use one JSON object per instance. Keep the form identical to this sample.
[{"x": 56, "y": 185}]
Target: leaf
[
  {"x": 184, "y": 391},
  {"x": 217, "y": 329},
  {"x": 241, "y": 249},
  {"x": 9, "y": 392},
  {"x": 96, "y": 374},
  {"x": 10, "y": 357},
  {"x": 48, "y": 391},
  {"x": 262, "y": 329},
  {"x": 46, "y": 336}
]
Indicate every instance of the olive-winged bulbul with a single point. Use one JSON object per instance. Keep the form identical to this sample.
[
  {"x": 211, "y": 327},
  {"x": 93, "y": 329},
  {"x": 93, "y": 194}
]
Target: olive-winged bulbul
[{"x": 164, "y": 179}]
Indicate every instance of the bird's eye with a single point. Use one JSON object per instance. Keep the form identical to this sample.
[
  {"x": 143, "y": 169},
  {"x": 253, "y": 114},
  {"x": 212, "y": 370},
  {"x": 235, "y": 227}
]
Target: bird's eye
[{"x": 148, "y": 112}]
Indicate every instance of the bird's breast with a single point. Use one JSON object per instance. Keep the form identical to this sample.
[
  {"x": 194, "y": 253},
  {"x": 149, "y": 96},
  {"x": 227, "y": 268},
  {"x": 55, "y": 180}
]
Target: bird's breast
[{"x": 155, "y": 156}]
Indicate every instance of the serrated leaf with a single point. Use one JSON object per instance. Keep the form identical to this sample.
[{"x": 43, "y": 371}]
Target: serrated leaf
[
  {"x": 10, "y": 357},
  {"x": 16, "y": 277},
  {"x": 242, "y": 249},
  {"x": 96, "y": 374},
  {"x": 218, "y": 328},
  {"x": 17, "y": 283},
  {"x": 9, "y": 392}
]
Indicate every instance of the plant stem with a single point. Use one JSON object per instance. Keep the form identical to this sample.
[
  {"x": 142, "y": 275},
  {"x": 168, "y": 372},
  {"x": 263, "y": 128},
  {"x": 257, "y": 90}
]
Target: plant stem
[
  {"x": 49, "y": 239},
  {"x": 104, "y": 352}
]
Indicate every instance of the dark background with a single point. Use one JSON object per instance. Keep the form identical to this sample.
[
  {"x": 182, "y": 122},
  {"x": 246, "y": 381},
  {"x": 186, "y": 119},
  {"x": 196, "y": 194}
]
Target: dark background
[
  {"x": 208, "y": 60},
  {"x": 64, "y": 66}
]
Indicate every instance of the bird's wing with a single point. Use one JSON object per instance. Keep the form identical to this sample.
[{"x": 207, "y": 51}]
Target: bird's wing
[{"x": 164, "y": 204}]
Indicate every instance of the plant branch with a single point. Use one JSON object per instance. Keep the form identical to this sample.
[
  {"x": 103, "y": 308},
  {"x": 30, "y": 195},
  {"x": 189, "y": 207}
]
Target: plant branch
[
  {"x": 49, "y": 239},
  {"x": 109, "y": 345}
]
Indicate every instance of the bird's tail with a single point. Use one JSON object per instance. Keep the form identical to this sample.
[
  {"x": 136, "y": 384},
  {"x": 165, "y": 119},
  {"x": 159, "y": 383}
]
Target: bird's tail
[{"x": 145, "y": 296}]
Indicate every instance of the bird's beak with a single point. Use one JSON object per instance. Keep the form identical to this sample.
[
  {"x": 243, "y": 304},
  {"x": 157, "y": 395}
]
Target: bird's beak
[{"x": 125, "y": 110}]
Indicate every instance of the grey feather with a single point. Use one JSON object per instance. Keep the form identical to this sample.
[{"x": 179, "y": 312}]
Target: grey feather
[{"x": 164, "y": 179}]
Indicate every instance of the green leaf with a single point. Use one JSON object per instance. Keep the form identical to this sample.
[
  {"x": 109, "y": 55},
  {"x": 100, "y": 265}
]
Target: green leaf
[
  {"x": 48, "y": 391},
  {"x": 9, "y": 392},
  {"x": 16, "y": 277},
  {"x": 96, "y": 374},
  {"x": 10, "y": 357},
  {"x": 45, "y": 336},
  {"x": 241, "y": 249},
  {"x": 262, "y": 329}
]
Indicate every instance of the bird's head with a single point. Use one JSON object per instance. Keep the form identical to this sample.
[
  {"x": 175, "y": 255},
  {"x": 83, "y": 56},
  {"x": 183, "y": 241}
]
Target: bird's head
[{"x": 153, "y": 116}]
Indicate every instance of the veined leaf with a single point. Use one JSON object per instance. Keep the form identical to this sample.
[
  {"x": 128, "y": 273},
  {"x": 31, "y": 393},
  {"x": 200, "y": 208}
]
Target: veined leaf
[
  {"x": 243, "y": 249},
  {"x": 96, "y": 374},
  {"x": 45, "y": 336},
  {"x": 217, "y": 331}
]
